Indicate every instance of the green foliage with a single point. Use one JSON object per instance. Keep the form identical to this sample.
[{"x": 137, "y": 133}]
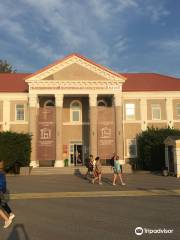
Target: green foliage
[
  {"x": 151, "y": 148},
  {"x": 5, "y": 67},
  {"x": 15, "y": 150}
]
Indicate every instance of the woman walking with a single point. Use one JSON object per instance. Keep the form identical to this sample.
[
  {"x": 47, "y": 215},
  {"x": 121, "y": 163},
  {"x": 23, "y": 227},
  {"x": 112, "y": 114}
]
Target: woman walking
[{"x": 117, "y": 171}]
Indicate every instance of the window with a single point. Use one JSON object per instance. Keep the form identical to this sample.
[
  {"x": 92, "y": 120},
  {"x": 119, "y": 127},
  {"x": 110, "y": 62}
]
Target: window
[
  {"x": 75, "y": 111},
  {"x": 102, "y": 103},
  {"x": 156, "y": 111},
  {"x": 178, "y": 109},
  {"x": 49, "y": 103},
  {"x": 131, "y": 148},
  {"x": 20, "y": 112},
  {"x": 130, "y": 111}
]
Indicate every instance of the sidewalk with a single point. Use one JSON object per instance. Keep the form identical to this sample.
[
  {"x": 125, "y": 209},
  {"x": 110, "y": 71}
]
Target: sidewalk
[{"x": 76, "y": 183}]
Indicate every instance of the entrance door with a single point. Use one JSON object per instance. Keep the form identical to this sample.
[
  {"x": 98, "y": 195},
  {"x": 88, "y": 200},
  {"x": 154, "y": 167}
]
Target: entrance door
[
  {"x": 76, "y": 154},
  {"x": 171, "y": 159}
]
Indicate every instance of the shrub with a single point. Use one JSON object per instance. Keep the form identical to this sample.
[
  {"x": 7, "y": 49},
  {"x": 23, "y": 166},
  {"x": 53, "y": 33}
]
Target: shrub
[
  {"x": 151, "y": 148},
  {"x": 15, "y": 150}
]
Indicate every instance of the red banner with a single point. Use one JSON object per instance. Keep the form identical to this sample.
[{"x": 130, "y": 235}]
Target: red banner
[
  {"x": 106, "y": 132},
  {"x": 46, "y": 137}
]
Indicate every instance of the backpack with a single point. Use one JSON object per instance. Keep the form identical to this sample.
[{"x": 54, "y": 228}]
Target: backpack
[
  {"x": 112, "y": 162},
  {"x": 2, "y": 182}
]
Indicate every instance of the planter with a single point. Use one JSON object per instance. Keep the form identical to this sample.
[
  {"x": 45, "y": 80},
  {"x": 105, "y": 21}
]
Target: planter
[{"x": 25, "y": 171}]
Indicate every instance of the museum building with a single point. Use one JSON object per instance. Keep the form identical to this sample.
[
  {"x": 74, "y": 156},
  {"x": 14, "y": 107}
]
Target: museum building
[{"x": 76, "y": 107}]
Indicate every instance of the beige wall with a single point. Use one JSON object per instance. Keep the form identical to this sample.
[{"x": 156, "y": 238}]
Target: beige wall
[
  {"x": 162, "y": 103},
  {"x": 137, "y": 108},
  {"x": 177, "y": 125},
  {"x": 175, "y": 102},
  {"x": 13, "y": 109},
  {"x": 66, "y": 109},
  {"x": 76, "y": 72},
  {"x": 157, "y": 125},
  {"x": 1, "y": 111},
  {"x": 130, "y": 131},
  {"x": 20, "y": 128}
]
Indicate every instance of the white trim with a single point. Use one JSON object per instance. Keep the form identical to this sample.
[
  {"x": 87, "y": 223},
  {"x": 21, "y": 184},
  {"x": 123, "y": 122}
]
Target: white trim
[
  {"x": 20, "y": 122},
  {"x": 82, "y": 62},
  {"x": 157, "y": 107},
  {"x": 79, "y": 111},
  {"x": 16, "y": 120},
  {"x": 74, "y": 123},
  {"x": 49, "y": 101}
]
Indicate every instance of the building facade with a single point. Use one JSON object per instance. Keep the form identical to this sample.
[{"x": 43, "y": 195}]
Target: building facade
[{"x": 76, "y": 107}]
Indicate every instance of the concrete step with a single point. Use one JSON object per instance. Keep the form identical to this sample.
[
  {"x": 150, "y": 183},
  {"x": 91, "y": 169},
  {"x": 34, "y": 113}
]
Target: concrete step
[{"x": 73, "y": 170}]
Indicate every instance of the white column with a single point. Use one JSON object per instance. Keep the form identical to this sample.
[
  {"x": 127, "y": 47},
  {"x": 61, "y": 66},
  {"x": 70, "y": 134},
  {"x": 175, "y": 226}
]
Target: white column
[
  {"x": 33, "y": 128},
  {"x": 93, "y": 124},
  {"x": 143, "y": 107},
  {"x": 59, "y": 162},
  {"x": 6, "y": 115},
  {"x": 169, "y": 112}
]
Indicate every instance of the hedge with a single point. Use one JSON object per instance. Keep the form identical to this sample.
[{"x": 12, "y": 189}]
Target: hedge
[
  {"x": 151, "y": 148},
  {"x": 15, "y": 150}
]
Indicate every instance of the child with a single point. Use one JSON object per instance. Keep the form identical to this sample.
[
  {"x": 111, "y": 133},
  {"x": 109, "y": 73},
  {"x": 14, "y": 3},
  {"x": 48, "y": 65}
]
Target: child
[{"x": 97, "y": 171}]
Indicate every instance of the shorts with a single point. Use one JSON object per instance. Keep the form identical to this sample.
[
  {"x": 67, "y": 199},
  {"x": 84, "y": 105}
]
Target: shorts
[{"x": 116, "y": 171}]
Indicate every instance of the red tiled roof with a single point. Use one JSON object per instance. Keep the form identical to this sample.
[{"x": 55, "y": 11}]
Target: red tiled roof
[
  {"x": 13, "y": 82},
  {"x": 149, "y": 82}
]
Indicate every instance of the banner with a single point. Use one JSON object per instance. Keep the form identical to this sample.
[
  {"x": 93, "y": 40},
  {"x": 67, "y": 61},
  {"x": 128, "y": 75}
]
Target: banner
[
  {"x": 46, "y": 134},
  {"x": 106, "y": 132}
]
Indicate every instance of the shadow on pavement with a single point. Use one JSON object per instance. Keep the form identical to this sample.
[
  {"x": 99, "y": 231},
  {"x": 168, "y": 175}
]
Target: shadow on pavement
[{"x": 18, "y": 233}]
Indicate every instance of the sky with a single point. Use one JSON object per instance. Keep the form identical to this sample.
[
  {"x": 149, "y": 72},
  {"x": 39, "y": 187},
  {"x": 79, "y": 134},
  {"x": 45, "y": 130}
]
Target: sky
[{"x": 124, "y": 35}]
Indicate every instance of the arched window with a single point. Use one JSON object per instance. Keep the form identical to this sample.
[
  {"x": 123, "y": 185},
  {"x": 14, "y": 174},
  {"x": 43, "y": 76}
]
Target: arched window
[
  {"x": 76, "y": 111},
  {"x": 49, "y": 103},
  {"x": 102, "y": 103}
]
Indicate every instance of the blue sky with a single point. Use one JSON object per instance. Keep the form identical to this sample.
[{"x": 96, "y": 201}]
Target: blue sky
[{"x": 125, "y": 35}]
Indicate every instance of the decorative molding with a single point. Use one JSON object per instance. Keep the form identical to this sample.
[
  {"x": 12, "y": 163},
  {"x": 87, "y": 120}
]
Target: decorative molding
[
  {"x": 59, "y": 100},
  {"x": 118, "y": 99},
  {"x": 74, "y": 85},
  {"x": 93, "y": 100},
  {"x": 70, "y": 61},
  {"x": 32, "y": 100}
]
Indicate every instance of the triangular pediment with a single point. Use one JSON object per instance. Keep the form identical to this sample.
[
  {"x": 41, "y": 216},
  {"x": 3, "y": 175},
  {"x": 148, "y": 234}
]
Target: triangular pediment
[
  {"x": 75, "y": 72},
  {"x": 75, "y": 68}
]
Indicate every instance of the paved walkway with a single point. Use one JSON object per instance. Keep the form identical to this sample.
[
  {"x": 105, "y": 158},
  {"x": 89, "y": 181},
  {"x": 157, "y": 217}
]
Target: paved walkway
[{"x": 69, "y": 207}]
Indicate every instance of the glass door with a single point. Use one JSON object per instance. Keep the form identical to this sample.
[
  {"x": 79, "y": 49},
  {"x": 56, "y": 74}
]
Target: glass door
[{"x": 76, "y": 154}]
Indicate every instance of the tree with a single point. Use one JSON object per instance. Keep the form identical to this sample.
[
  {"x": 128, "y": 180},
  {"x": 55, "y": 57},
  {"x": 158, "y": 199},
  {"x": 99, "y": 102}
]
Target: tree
[
  {"x": 151, "y": 148},
  {"x": 5, "y": 67}
]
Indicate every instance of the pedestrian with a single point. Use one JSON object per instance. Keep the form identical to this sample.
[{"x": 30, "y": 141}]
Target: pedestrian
[
  {"x": 7, "y": 221},
  {"x": 90, "y": 167},
  {"x": 4, "y": 206},
  {"x": 117, "y": 171},
  {"x": 97, "y": 171}
]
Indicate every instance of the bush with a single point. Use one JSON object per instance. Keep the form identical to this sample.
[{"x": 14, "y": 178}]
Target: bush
[
  {"x": 151, "y": 148},
  {"x": 15, "y": 150}
]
